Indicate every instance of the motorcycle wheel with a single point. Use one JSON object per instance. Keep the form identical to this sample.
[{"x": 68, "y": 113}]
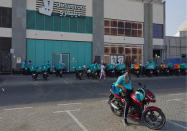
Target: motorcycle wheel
[
  {"x": 60, "y": 74},
  {"x": 44, "y": 77},
  {"x": 156, "y": 122},
  {"x": 34, "y": 77},
  {"x": 115, "y": 111}
]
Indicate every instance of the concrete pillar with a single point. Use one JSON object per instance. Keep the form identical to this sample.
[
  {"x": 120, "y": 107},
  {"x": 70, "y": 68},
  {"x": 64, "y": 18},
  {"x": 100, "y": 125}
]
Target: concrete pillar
[
  {"x": 18, "y": 31},
  {"x": 148, "y": 32},
  {"x": 98, "y": 30}
]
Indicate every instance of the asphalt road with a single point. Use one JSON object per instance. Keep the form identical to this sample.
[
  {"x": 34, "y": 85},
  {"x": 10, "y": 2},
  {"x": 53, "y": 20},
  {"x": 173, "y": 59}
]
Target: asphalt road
[{"x": 67, "y": 104}]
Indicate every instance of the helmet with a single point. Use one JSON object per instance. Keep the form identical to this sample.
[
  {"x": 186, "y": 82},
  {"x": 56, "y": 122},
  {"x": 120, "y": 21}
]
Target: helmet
[{"x": 140, "y": 94}]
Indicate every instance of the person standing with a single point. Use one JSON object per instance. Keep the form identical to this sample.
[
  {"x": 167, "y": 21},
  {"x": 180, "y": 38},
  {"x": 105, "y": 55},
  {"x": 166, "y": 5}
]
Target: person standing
[{"x": 102, "y": 72}]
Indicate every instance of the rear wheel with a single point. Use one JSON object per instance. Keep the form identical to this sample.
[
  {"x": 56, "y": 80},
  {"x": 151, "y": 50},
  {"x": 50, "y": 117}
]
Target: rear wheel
[{"x": 155, "y": 120}]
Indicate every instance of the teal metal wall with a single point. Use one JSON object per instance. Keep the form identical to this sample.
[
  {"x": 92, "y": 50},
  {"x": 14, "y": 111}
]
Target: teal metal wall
[
  {"x": 40, "y": 51},
  {"x": 37, "y": 21}
]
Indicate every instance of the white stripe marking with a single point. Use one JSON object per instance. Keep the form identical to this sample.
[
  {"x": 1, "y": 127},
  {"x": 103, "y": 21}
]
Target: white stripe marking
[
  {"x": 176, "y": 94},
  {"x": 123, "y": 123},
  {"x": 77, "y": 121},
  {"x": 174, "y": 100},
  {"x": 174, "y": 123},
  {"x": 69, "y": 104},
  {"x": 17, "y": 108},
  {"x": 66, "y": 111},
  {"x": 104, "y": 101}
]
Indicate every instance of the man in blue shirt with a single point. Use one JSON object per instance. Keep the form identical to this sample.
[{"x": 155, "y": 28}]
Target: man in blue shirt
[{"x": 124, "y": 86}]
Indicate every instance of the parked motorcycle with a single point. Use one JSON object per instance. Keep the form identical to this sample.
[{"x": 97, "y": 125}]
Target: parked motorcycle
[
  {"x": 176, "y": 69},
  {"x": 33, "y": 70},
  {"x": 164, "y": 69},
  {"x": 120, "y": 69},
  {"x": 79, "y": 72},
  {"x": 94, "y": 71},
  {"x": 151, "y": 116},
  {"x": 135, "y": 69},
  {"x": 44, "y": 71},
  {"x": 183, "y": 68},
  {"x": 110, "y": 70},
  {"x": 150, "y": 68},
  {"x": 59, "y": 70}
]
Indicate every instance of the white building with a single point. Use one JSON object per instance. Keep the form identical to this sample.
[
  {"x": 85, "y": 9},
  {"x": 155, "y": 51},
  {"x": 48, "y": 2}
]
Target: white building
[{"x": 80, "y": 31}]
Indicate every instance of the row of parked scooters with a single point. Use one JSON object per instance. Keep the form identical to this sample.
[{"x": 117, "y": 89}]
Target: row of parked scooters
[
  {"x": 150, "y": 69},
  {"x": 93, "y": 70},
  {"x": 44, "y": 71}
]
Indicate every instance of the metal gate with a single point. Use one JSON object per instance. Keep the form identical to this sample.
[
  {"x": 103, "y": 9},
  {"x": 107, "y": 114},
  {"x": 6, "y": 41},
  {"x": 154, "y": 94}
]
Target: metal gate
[
  {"x": 62, "y": 57},
  {"x": 5, "y": 62}
]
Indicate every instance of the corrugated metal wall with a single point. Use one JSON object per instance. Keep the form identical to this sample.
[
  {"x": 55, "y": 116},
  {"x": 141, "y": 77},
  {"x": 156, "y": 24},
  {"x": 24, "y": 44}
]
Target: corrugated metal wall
[{"x": 40, "y": 51}]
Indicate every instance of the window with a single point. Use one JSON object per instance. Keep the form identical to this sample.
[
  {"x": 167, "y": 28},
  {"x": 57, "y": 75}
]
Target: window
[
  {"x": 106, "y": 50},
  {"x": 114, "y": 27},
  {"x": 122, "y": 28},
  {"x": 120, "y": 50},
  {"x": 157, "y": 31},
  {"x": 5, "y": 17},
  {"x": 5, "y": 44},
  {"x": 55, "y": 22}
]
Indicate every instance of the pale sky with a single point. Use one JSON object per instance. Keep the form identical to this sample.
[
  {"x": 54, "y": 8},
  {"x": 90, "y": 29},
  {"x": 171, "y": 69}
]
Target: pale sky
[{"x": 176, "y": 14}]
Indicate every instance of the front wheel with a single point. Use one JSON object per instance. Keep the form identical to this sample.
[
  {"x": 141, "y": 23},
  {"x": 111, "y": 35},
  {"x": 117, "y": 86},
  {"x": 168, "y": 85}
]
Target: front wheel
[
  {"x": 113, "y": 104},
  {"x": 154, "y": 119}
]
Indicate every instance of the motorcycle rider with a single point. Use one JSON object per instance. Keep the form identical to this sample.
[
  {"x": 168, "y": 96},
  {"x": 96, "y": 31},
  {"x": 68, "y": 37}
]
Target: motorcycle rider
[{"x": 124, "y": 85}]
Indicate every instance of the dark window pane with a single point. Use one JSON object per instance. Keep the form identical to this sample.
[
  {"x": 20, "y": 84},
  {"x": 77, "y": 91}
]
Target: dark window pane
[
  {"x": 134, "y": 59},
  {"x": 157, "y": 31},
  {"x": 134, "y": 51},
  {"x": 113, "y": 31},
  {"x": 39, "y": 21},
  {"x": 120, "y": 24},
  {"x": 65, "y": 24},
  {"x": 5, "y": 17},
  {"x": 106, "y": 50},
  {"x": 57, "y": 23},
  {"x": 139, "y": 26},
  {"x": 128, "y": 25},
  {"x": 73, "y": 24},
  {"x": 89, "y": 24},
  {"x": 114, "y": 23},
  {"x": 127, "y": 51},
  {"x": 113, "y": 50},
  {"x": 48, "y": 23},
  {"x": 121, "y": 31},
  {"x": 139, "y": 33},
  {"x": 120, "y": 50},
  {"x": 81, "y": 23},
  {"x": 128, "y": 32},
  {"x": 107, "y": 23},
  {"x": 134, "y": 33},
  {"x": 107, "y": 31},
  {"x": 31, "y": 19},
  {"x": 5, "y": 44},
  {"x": 134, "y": 26}
]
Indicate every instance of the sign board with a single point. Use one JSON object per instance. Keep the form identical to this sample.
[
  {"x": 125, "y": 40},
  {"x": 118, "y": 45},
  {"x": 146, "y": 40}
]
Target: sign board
[
  {"x": 18, "y": 60},
  {"x": 11, "y": 51},
  {"x": 47, "y": 7}
]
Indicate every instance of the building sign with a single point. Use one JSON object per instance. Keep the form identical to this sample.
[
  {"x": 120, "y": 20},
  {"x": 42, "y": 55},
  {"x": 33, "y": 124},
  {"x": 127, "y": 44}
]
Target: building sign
[{"x": 47, "y": 7}]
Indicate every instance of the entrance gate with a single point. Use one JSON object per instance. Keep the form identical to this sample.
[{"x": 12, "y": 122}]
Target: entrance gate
[
  {"x": 5, "y": 62},
  {"x": 62, "y": 57}
]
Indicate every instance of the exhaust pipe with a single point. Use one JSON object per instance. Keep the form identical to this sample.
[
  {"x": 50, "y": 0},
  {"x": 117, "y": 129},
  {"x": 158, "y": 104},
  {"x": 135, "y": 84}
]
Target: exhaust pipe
[{"x": 114, "y": 106}]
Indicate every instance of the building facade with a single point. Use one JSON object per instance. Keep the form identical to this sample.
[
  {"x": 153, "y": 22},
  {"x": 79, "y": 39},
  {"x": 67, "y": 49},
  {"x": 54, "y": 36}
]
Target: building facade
[
  {"x": 79, "y": 32},
  {"x": 134, "y": 29},
  {"x": 176, "y": 47}
]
